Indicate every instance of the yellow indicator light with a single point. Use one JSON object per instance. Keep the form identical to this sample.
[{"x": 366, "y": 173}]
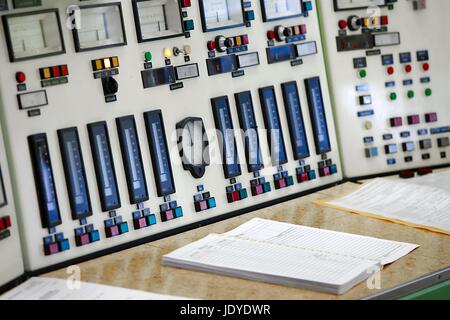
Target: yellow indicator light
[
  {"x": 107, "y": 63},
  {"x": 115, "y": 62},
  {"x": 98, "y": 65},
  {"x": 238, "y": 41},
  {"x": 47, "y": 74},
  {"x": 168, "y": 53}
]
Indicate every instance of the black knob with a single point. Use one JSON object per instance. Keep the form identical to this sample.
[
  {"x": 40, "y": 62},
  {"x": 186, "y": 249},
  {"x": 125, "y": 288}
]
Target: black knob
[
  {"x": 354, "y": 23},
  {"x": 228, "y": 43},
  {"x": 287, "y": 32},
  {"x": 110, "y": 86}
]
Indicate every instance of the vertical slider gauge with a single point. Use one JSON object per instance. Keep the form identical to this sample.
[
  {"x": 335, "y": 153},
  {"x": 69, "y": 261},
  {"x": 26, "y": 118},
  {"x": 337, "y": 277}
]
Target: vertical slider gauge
[
  {"x": 318, "y": 116},
  {"x": 221, "y": 14},
  {"x": 77, "y": 187},
  {"x": 132, "y": 159},
  {"x": 248, "y": 123},
  {"x": 33, "y": 34},
  {"x": 104, "y": 166},
  {"x": 193, "y": 146},
  {"x": 295, "y": 119},
  {"x": 281, "y": 9},
  {"x": 273, "y": 125},
  {"x": 159, "y": 149},
  {"x": 45, "y": 181},
  {"x": 227, "y": 141},
  {"x": 157, "y": 19},
  {"x": 99, "y": 26}
]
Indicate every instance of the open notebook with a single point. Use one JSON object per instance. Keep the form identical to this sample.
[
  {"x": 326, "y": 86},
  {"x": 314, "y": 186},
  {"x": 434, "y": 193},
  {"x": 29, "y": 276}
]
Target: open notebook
[{"x": 290, "y": 255}]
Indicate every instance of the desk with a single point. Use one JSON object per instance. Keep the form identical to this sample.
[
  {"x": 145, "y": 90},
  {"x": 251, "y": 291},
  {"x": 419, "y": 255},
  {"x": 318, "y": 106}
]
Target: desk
[{"x": 141, "y": 267}]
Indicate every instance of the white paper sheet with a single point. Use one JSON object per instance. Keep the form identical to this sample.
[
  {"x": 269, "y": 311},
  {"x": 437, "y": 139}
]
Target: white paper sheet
[
  {"x": 413, "y": 202},
  {"x": 58, "y": 289}
]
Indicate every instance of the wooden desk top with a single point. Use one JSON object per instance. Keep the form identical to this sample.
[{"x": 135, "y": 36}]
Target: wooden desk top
[{"x": 141, "y": 267}]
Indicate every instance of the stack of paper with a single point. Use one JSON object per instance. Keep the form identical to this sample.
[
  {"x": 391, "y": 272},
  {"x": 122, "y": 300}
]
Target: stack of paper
[
  {"x": 290, "y": 255},
  {"x": 422, "y": 202}
]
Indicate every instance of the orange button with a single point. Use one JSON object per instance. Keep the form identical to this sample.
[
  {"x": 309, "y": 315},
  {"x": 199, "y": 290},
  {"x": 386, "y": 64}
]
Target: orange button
[
  {"x": 45, "y": 73},
  {"x": 98, "y": 65},
  {"x": 115, "y": 62}
]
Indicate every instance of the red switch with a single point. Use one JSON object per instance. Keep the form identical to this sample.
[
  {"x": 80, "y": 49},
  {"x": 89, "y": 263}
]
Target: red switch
[
  {"x": 390, "y": 70},
  {"x": 185, "y": 3},
  {"x": 21, "y": 77},
  {"x": 271, "y": 34},
  {"x": 384, "y": 20},
  {"x": 211, "y": 45},
  {"x": 64, "y": 70},
  {"x": 426, "y": 66},
  {"x": 56, "y": 72},
  {"x": 244, "y": 39},
  {"x": 303, "y": 29},
  {"x": 408, "y": 68},
  {"x": 343, "y": 24}
]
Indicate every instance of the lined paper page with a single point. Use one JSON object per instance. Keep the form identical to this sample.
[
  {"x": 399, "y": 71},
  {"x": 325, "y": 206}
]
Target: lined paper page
[
  {"x": 318, "y": 240},
  {"x": 235, "y": 256},
  {"x": 410, "y": 202}
]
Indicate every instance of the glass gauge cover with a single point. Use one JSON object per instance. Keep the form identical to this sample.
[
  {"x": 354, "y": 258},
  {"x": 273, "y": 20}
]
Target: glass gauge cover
[
  {"x": 33, "y": 34},
  {"x": 99, "y": 26},
  {"x": 221, "y": 14},
  {"x": 281, "y": 9},
  {"x": 157, "y": 19},
  {"x": 340, "y": 5}
]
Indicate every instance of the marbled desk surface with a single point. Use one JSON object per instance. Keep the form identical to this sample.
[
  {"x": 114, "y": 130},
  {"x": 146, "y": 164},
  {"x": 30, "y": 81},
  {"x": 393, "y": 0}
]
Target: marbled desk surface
[{"x": 141, "y": 267}]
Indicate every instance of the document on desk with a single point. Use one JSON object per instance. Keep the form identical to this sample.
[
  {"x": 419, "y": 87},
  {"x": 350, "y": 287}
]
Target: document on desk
[
  {"x": 290, "y": 255},
  {"x": 421, "y": 202},
  {"x": 58, "y": 289}
]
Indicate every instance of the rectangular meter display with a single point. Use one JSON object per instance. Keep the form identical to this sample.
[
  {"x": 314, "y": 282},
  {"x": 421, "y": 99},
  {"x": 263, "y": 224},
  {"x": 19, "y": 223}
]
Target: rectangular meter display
[
  {"x": 318, "y": 116},
  {"x": 295, "y": 119},
  {"x": 104, "y": 166},
  {"x": 273, "y": 125},
  {"x": 247, "y": 121},
  {"x": 340, "y": 5},
  {"x": 77, "y": 187},
  {"x": 45, "y": 181},
  {"x": 281, "y": 9},
  {"x": 159, "y": 149},
  {"x": 156, "y": 19},
  {"x": 227, "y": 141},
  {"x": 221, "y": 14},
  {"x": 33, "y": 35},
  {"x": 132, "y": 159},
  {"x": 99, "y": 26}
]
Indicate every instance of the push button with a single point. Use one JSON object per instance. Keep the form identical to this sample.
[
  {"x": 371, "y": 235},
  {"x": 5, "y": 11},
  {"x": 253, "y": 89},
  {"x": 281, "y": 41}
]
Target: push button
[
  {"x": 21, "y": 77},
  {"x": 51, "y": 248},
  {"x": 391, "y": 148},
  {"x": 396, "y": 122},
  {"x": 443, "y": 142},
  {"x": 82, "y": 239},
  {"x": 431, "y": 117},
  {"x": 372, "y": 152},
  {"x": 112, "y": 231},
  {"x": 413, "y": 119},
  {"x": 212, "y": 203},
  {"x": 426, "y": 144}
]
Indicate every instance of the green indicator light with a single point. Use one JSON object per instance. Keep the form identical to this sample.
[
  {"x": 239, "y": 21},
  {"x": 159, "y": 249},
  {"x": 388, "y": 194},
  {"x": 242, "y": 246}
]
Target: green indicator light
[
  {"x": 148, "y": 56},
  {"x": 410, "y": 94},
  {"x": 393, "y": 96},
  {"x": 362, "y": 73},
  {"x": 428, "y": 92}
]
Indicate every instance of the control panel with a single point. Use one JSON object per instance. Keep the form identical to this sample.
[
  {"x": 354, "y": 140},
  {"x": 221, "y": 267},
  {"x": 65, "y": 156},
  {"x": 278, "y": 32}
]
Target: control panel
[
  {"x": 11, "y": 265},
  {"x": 127, "y": 120},
  {"x": 388, "y": 73}
]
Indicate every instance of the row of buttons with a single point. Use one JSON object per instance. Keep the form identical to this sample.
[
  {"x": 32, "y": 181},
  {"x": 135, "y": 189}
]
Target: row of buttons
[
  {"x": 260, "y": 186},
  {"x": 408, "y": 147},
  {"x": 413, "y": 119},
  {"x": 354, "y": 23},
  {"x": 56, "y": 244},
  {"x": 305, "y": 174},
  {"x": 54, "y": 72},
  {"x": 143, "y": 219},
  {"x": 236, "y": 193},
  {"x": 283, "y": 180},
  {"x": 171, "y": 214},
  {"x": 281, "y": 33},
  {"x": 105, "y": 63},
  {"x": 115, "y": 227},
  {"x": 221, "y": 43}
]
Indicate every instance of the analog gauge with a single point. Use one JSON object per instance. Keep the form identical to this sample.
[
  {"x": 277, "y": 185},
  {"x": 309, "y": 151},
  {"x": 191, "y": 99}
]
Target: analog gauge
[
  {"x": 33, "y": 34},
  {"x": 99, "y": 26},
  {"x": 221, "y": 14},
  {"x": 157, "y": 19},
  {"x": 193, "y": 146},
  {"x": 356, "y": 4},
  {"x": 281, "y": 9}
]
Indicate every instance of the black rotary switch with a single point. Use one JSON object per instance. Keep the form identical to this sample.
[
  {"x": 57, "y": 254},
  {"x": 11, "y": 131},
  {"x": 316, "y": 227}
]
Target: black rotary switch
[
  {"x": 354, "y": 23},
  {"x": 110, "y": 86},
  {"x": 282, "y": 33}
]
